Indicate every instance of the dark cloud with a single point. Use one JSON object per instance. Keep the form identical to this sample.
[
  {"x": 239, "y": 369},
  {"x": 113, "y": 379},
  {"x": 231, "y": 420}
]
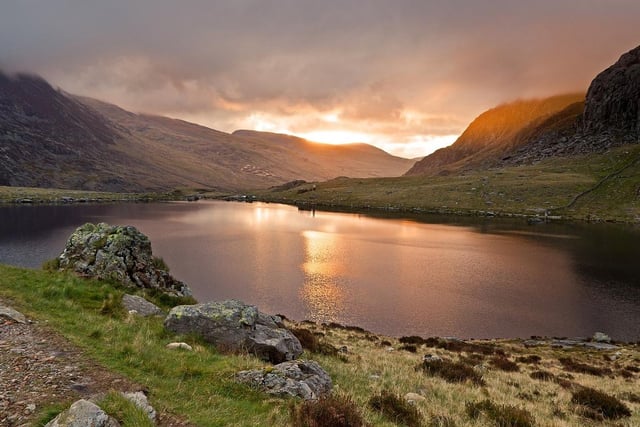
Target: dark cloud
[{"x": 373, "y": 64}]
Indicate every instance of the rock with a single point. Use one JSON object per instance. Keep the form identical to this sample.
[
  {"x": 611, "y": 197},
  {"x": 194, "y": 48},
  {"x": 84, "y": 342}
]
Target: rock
[
  {"x": 122, "y": 254},
  {"x": 139, "y": 399},
  {"x": 83, "y": 414},
  {"x": 414, "y": 397},
  {"x": 430, "y": 358},
  {"x": 179, "y": 345},
  {"x": 140, "y": 305},
  {"x": 570, "y": 343},
  {"x": 613, "y": 99},
  {"x": 235, "y": 326},
  {"x": 304, "y": 379},
  {"x": 601, "y": 337},
  {"x": 10, "y": 313}
]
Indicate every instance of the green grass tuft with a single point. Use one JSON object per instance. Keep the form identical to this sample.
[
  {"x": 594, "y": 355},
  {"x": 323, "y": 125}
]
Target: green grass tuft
[{"x": 124, "y": 411}]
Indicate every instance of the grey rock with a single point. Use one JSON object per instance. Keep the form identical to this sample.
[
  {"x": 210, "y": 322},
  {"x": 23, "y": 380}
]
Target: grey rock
[
  {"x": 430, "y": 358},
  {"x": 601, "y": 337},
  {"x": 304, "y": 379},
  {"x": 414, "y": 397},
  {"x": 139, "y": 399},
  {"x": 179, "y": 345},
  {"x": 10, "y": 313},
  {"x": 235, "y": 326},
  {"x": 118, "y": 253},
  {"x": 83, "y": 414},
  {"x": 570, "y": 343},
  {"x": 140, "y": 305}
]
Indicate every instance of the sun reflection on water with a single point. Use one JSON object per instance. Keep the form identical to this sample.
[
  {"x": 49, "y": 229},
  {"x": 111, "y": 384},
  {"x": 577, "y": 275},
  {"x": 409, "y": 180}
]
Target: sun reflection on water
[{"x": 321, "y": 293}]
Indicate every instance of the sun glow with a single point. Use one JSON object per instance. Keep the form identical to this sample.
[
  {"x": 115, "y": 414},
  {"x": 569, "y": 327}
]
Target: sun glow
[{"x": 336, "y": 137}]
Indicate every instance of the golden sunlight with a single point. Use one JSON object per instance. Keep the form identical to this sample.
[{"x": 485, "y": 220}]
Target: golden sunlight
[{"x": 336, "y": 137}]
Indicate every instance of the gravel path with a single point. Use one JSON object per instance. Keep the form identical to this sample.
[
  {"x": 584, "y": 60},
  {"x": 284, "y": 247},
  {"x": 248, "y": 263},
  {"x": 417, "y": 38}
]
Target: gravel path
[{"x": 39, "y": 367}]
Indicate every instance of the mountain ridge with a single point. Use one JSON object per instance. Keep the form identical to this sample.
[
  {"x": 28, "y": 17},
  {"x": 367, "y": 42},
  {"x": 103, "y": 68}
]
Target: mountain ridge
[{"x": 49, "y": 138}]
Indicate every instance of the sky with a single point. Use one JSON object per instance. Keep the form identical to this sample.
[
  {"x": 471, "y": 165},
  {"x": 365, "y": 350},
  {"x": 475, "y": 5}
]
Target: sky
[{"x": 407, "y": 76}]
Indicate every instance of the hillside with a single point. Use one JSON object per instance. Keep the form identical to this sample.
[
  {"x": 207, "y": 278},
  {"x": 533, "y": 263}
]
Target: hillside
[
  {"x": 52, "y": 139},
  {"x": 523, "y": 132},
  {"x": 492, "y": 135},
  {"x": 559, "y": 156}
]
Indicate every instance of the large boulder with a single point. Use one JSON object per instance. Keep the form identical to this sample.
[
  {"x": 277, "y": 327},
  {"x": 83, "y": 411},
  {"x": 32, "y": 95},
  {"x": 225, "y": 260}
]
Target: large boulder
[
  {"x": 118, "y": 253},
  {"x": 234, "y": 326},
  {"x": 140, "y": 306},
  {"x": 82, "y": 414},
  {"x": 300, "y": 378}
]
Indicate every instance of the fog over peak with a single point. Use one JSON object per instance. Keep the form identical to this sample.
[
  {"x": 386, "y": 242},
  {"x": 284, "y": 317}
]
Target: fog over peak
[{"x": 405, "y": 75}]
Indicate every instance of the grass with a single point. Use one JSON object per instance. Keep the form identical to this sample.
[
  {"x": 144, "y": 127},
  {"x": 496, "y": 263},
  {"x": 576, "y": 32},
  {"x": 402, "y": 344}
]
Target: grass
[
  {"x": 396, "y": 409},
  {"x": 453, "y": 372},
  {"x": 501, "y": 415},
  {"x": 331, "y": 411},
  {"x": 124, "y": 411},
  {"x": 57, "y": 195},
  {"x": 590, "y": 187},
  {"x": 198, "y": 386},
  {"x": 600, "y": 404}
]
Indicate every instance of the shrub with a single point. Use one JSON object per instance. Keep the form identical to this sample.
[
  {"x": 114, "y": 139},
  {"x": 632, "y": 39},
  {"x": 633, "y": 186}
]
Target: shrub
[
  {"x": 413, "y": 339},
  {"x": 542, "y": 376},
  {"x": 307, "y": 339},
  {"x": 504, "y": 364},
  {"x": 409, "y": 347},
  {"x": 601, "y": 403},
  {"x": 453, "y": 372},
  {"x": 532, "y": 359},
  {"x": 396, "y": 409},
  {"x": 159, "y": 263},
  {"x": 331, "y": 411},
  {"x": 582, "y": 368},
  {"x": 502, "y": 415}
]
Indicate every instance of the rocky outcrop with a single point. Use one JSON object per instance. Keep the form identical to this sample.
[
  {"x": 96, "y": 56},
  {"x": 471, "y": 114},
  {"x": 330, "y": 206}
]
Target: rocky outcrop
[
  {"x": 613, "y": 99},
  {"x": 304, "y": 379},
  {"x": 234, "y": 326},
  {"x": 121, "y": 254},
  {"x": 82, "y": 414},
  {"x": 140, "y": 306}
]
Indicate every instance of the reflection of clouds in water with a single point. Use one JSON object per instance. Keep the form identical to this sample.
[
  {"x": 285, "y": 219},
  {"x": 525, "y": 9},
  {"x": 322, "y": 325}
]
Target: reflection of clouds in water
[{"x": 321, "y": 293}]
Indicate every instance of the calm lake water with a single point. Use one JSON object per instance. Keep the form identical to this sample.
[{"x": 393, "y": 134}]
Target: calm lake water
[{"x": 422, "y": 276}]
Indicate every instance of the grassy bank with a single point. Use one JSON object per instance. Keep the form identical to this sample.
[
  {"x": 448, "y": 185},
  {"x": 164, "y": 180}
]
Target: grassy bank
[
  {"x": 474, "y": 384},
  {"x": 592, "y": 187},
  {"x": 29, "y": 195}
]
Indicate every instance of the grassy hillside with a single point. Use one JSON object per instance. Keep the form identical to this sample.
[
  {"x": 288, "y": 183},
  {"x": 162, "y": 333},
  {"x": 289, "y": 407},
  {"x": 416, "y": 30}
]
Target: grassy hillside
[
  {"x": 593, "y": 187},
  {"x": 520, "y": 386}
]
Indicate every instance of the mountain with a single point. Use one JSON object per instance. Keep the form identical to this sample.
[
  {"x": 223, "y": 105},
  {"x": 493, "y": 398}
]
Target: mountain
[
  {"x": 491, "y": 135},
  {"x": 52, "y": 139},
  {"x": 529, "y": 131}
]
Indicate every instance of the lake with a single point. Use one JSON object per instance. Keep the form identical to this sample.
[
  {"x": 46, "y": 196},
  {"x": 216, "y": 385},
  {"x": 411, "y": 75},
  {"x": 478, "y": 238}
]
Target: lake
[{"x": 428, "y": 276}]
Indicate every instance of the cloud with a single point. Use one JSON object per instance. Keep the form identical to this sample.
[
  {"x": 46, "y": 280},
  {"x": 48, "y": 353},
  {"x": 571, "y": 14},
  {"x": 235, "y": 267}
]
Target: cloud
[{"x": 393, "y": 69}]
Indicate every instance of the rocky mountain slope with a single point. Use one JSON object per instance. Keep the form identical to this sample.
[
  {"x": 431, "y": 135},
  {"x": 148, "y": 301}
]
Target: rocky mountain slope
[
  {"x": 529, "y": 131},
  {"x": 52, "y": 139},
  {"x": 492, "y": 135}
]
